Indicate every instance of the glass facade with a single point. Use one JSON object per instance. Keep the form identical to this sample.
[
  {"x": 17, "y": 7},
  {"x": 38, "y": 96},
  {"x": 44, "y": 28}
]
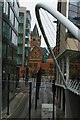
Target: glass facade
[
  {"x": 20, "y": 38},
  {"x": 14, "y": 55},
  {"x": 27, "y": 37},
  {"x": 19, "y": 60},
  {"x": 5, "y": 7},
  {"x": 74, "y": 8},
  {"x": 10, "y": 22},
  {"x": 9, "y": 52},
  {"x": 12, "y": 17},
  {"x": 74, "y": 16},
  {"x": 4, "y": 49},
  {"x": 14, "y": 38},
  {"x": 21, "y": 26},
  {"x": 6, "y": 30},
  {"x": 74, "y": 13},
  {"x": 20, "y": 51},
  {"x": 21, "y": 18}
]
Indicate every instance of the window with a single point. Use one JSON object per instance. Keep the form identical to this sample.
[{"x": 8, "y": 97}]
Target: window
[
  {"x": 16, "y": 24},
  {"x": 14, "y": 55},
  {"x": 21, "y": 17},
  {"x": 74, "y": 9},
  {"x": 4, "y": 50},
  {"x": 19, "y": 60},
  {"x": 5, "y": 7},
  {"x": 9, "y": 53},
  {"x": 20, "y": 38},
  {"x": 14, "y": 38},
  {"x": 74, "y": 14},
  {"x": 6, "y": 30},
  {"x": 16, "y": 8},
  {"x": 20, "y": 51},
  {"x": 20, "y": 28},
  {"x": 11, "y": 16}
]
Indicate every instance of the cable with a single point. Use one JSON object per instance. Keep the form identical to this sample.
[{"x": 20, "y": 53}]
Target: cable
[
  {"x": 61, "y": 33},
  {"x": 48, "y": 25},
  {"x": 54, "y": 29},
  {"x": 47, "y": 28}
]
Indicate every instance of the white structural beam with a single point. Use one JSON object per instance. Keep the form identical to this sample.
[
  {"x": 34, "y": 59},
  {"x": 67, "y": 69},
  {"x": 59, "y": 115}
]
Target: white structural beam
[
  {"x": 65, "y": 21},
  {"x": 68, "y": 24}
]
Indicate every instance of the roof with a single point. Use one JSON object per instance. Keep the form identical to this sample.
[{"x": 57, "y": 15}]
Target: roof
[
  {"x": 35, "y": 31},
  {"x": 43, "y": 50}
]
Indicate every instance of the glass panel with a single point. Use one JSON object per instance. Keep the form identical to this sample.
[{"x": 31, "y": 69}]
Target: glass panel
[
  {"x": 6, "y": 30},
  {"x": 14, "y": 55},
  {"x": 20, "y": 28},
  {"x": 21, "y": 18},
  {"x": 5, "y": 7},
  {"x": 19, "y": 60},
  {"x": 9, "y": 54},
  {"x": 16, "y": 24},
  {"x": 4, "y": 50},
  {"x": 14, "y": 38},
  {"x": 74, "y": 9},
  {"x": 11, "y": 16},
  {"x": 20, "y": 39},
  {"x": 20, "y": 50},
  {"x": 16, "y": 8}
]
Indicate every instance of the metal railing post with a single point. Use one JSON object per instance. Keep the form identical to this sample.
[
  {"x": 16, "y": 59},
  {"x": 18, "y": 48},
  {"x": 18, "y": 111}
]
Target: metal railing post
[
  {"x": 8, "y": 95},
  {"x": 54, "y": 90},
  {"x": 30, "y": 89}
]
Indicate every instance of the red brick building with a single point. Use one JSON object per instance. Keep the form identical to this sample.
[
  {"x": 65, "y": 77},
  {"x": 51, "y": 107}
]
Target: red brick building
[{"x": 39, "y": 57}]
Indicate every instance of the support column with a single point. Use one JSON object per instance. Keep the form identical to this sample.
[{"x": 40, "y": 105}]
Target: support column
[
  {"x": 59, "y": 94},
  {"x": 62, "y": 68},
  {"x": 61, "y": 99},
  {"x": 67, "y": 101},
  {"x": 59, "y": 74},
  {"x": 62, "y": 83},
  {"x": 67, "y": 67}
]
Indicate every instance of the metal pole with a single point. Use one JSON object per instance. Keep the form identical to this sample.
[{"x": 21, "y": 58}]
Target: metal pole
[
  {"x": 36, "y": 98},
  {"x": 27, "y": 72},
  {"x": 8, "y": 95},
  {"x": 30, "y": 88},
  {"x": 54, "y": 89}
]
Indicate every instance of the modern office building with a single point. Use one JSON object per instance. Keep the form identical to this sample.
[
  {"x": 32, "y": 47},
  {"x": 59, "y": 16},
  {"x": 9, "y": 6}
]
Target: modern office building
[
  {"x": 10, "y": 15},
  {"x": 21, "y": 36},
  {"x": 68, "y": 56},
  {"x": 27, "y": 37},
  {"x": 23, "y": 39}
]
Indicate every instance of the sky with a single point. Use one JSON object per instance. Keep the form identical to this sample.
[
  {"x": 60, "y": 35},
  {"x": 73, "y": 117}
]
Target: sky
[{"x": 30, "y": 5}]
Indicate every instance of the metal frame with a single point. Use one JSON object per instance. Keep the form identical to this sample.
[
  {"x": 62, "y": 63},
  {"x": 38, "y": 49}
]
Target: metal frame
[{"x": 67, "y": 23}]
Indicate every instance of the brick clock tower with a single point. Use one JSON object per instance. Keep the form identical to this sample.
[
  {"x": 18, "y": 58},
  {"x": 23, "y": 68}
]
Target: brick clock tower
[{"x": 35, "y": 38}]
